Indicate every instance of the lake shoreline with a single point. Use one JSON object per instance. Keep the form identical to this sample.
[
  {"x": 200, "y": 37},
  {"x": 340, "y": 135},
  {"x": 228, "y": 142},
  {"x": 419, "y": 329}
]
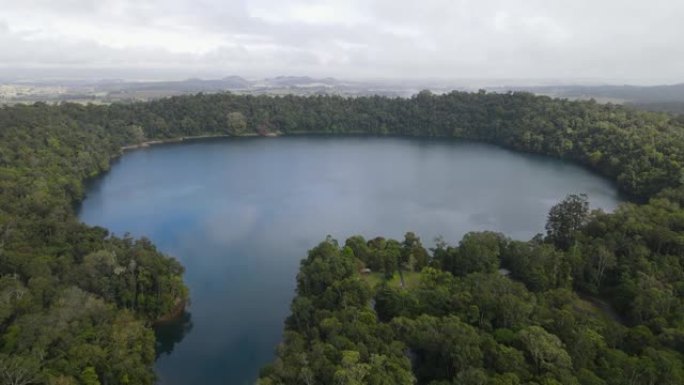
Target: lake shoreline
[
  {"x": 624, "y": 195},
  {"x": 224, "y": 207},
  {"x": 156, "y": 142},
  {"x": 175, "y": 313}
]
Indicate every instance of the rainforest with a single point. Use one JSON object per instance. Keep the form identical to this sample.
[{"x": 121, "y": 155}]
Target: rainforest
[{"x": 596, "y": 299}]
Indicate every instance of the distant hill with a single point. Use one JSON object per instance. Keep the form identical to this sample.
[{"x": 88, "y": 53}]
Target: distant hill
[
  {"x": 671, "y": 107},
  {"x": 624, "y": 93},
  {"x": 188, "y": 85},
  {"x": 116, "y": 90},
  {"x": 661, "y": 98},
  {"x": 299, "y": 81}
]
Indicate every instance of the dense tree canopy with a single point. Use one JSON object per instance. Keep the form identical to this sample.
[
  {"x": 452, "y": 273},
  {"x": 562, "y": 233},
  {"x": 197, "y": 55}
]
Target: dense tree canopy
[
  {"x": 465, "y": 323},
  {"x": 76, "y": 303},
  {"x": 642, "y": 151}
]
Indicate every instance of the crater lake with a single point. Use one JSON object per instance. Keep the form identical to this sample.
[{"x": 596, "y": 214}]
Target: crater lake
[{"x": 241, "y": 213}]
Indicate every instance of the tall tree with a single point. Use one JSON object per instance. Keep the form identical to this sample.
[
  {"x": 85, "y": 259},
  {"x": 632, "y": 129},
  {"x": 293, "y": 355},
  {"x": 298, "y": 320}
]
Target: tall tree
[{"x": 566, "y": 218}]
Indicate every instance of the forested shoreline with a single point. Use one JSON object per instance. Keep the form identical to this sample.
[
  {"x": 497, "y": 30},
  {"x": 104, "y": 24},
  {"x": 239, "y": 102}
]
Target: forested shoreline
[
  {"x": 76, "y": 304},
  {"x": 496, "y": 311},
  {"x": 640, "y": 151}
]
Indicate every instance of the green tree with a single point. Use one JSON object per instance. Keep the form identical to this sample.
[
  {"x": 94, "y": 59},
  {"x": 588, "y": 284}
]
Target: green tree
[
  {"x": 351, "y": 371},
  {"x": 566, "y": 218},
  {"x": 20, "y": 370},
  {"x": 237, "y": 123},
  {"x": 477, "y": 252},
  {"x": 414, "y": 257},
  {"x": 89, "y": 376},
  {"x": 545, "y": 349}
]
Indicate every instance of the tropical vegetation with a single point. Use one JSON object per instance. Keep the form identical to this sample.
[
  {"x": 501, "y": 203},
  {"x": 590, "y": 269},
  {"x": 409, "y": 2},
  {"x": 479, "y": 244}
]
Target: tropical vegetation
[{"x": 596, "y": 300}]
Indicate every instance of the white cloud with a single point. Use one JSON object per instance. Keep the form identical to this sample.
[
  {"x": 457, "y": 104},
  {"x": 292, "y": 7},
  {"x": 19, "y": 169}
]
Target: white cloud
[
  {"x": 308, "y": 12},
  {"x": 610, "y": 39}
]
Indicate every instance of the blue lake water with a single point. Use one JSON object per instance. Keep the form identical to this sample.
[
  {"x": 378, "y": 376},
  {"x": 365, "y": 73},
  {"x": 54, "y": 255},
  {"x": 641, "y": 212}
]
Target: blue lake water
[{"x": 240, "y": 214}]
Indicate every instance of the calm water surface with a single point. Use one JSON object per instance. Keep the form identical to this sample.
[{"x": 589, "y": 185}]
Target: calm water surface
[{"x": 241, "y": 213}]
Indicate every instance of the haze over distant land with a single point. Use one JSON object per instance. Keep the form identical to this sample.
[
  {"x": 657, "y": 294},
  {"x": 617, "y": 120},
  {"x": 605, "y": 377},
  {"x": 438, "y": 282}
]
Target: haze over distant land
[
  {"x": 666, "y": 98},
  {"x": 581, "y": 41}
]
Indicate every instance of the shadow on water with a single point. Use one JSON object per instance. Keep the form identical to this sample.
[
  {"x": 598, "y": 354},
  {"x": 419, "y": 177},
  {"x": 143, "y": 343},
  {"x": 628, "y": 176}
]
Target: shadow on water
[{"x": 170, "y": 333}]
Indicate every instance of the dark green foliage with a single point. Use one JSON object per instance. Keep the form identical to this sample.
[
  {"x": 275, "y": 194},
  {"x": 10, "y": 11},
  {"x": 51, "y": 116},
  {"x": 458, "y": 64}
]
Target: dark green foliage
[
  {"x": 76, "y": 303},
  {"x": 642, "y": 151},
  {"x": 413, "y": 254},
  {"x": 565, "y": 219},
  {"x": 475, "y": 252},
  {"x": 539, "y": 265},
  {"x": 475, "y": 327},
  {"x": 333, "y": 336}
]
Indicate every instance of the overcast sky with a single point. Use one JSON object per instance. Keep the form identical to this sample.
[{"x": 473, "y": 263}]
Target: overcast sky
[{"x": 612, "y": 40}]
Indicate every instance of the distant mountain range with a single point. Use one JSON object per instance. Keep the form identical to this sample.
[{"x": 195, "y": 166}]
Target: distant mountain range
[
  {"x": 662, "y": 98},
  {"x": 668, "y": 98},
  {"x": 232, "y": 83},
  {"x": 624, "y": 93}
]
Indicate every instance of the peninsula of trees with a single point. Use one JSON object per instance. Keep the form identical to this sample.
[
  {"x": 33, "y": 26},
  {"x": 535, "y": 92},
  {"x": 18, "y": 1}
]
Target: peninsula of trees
[
  {"x": 76, "y": 304},
  {"x": 597, "y": 301}
]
